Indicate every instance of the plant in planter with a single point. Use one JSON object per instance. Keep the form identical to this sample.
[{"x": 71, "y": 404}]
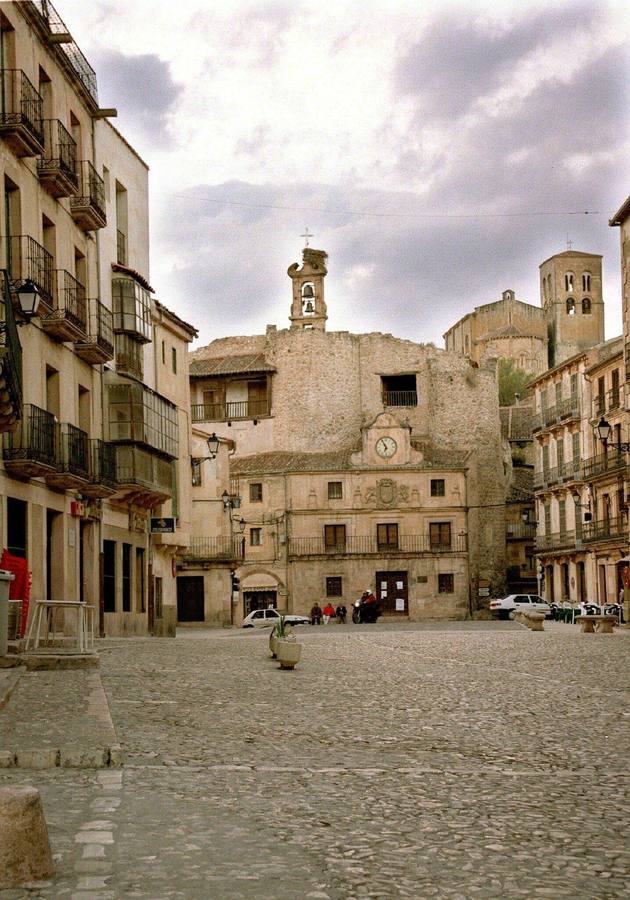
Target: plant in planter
[{"x": 287, "y": 649}]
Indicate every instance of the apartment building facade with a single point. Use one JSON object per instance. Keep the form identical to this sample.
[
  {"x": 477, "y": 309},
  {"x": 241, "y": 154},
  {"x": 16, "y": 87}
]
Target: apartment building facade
[{"x": 96, "y": 446}]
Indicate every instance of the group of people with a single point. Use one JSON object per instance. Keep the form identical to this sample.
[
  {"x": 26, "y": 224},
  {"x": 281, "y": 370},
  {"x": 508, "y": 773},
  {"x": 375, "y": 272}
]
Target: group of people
[{"x": 327, "y": 614}]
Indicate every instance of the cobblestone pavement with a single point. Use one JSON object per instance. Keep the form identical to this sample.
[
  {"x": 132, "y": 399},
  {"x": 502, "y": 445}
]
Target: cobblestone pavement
[{"x": 451, "y": 760}]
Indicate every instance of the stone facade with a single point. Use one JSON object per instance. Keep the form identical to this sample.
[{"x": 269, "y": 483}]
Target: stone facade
[{"x": 305, "y": 392}]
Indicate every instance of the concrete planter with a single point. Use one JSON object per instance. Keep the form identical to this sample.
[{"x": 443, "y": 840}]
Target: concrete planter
[{"x": 288, "y": 653}]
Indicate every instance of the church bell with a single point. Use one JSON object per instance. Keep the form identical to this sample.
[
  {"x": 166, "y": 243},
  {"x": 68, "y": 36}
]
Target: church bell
[
  {"x": 309, "y": 308},
  {"x": 307, "y": 293}
]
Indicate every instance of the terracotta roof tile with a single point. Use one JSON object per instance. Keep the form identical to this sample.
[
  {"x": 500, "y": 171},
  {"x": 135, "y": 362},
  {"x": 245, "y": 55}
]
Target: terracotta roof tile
[
  {"x": 244, "y": 363},
  {"x": 522, "y": 487}
]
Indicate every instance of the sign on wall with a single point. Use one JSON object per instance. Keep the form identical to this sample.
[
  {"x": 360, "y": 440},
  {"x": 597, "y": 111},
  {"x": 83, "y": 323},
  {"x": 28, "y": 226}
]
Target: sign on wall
[{"x": 162, "y": 525}]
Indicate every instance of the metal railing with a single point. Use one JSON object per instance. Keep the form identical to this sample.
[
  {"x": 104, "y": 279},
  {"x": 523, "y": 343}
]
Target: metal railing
[
  {"x": 129, "y": 356},
  {"x": 71, "y": 303},
  {"x": 570, "y": 471},
  {"x": 91, "y": 190},
  {"x": 227, "y": 412},
  {"x": 82, "y": 69},
  {"x": 137, "y": 466},
  {"x": 604, "y": 462},
  {"x": 10, "y": 346},
  {"x": 28, "y": 259},
  {"x": 100, "y": 329},
  {"x": 121, "y": 247},
  {"x": 613, "y": 398},
  {"x": 20, "y": 104},
  {"x": 35, "y": 437},
  {"x": 73, "y": 456},
  {"x": 557, "y": 540},
  {"x": 521, "y": 530},
  {"x": 356, "y": 545},
  {"x": 102, "y": 463},
  {"x": 559, "y": 412},
  {"x": 606, "y": 530},
  {"x": 224, "y": 547},
  {"x": 60, "y": 151},
  {"x": 400, "y": 398}
]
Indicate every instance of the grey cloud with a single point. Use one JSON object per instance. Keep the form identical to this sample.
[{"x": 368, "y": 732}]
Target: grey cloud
[{"x": 144, "y": 93}]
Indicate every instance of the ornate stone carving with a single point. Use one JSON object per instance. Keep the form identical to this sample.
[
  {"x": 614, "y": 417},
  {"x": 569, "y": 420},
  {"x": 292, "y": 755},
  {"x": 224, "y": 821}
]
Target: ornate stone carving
[{"x": 386, "y": 494}]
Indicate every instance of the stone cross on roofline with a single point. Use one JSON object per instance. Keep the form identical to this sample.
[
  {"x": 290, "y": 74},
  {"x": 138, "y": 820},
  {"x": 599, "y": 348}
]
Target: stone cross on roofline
[{"x": 307, "y": 234}]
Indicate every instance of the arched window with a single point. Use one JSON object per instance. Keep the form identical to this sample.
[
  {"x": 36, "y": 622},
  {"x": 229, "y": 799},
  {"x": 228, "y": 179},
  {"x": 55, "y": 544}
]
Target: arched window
[
  {"x": 568, "y": 281},
  {"x": 586, "y": 281},
  {"x": 570, "y": 306},
  {"x": 586, "y": 305}
]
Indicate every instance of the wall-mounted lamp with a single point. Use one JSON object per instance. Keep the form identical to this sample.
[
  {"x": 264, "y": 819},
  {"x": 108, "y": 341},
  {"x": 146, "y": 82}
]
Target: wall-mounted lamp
[
  {"x": 239, "y": 525},
  {"x": 603, "y": 429},
  {"x": 29, "y": 299},
  {"x": 230, "y": 501}
]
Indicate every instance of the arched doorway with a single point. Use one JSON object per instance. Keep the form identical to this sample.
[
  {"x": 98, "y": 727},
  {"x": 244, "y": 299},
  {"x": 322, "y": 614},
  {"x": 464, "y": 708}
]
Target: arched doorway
[{"x": 260, "y": 591}]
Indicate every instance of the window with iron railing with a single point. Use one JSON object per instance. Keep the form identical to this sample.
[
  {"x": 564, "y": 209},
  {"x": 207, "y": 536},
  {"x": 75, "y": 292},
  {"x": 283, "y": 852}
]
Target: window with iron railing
[
  {"x": 60, "y": 151},
  {"x": 399, "y": 390},
  {"x": 22, "y": 104},
  {"x": 334, "y": 537},
  {"x": 440, "y": 534}
]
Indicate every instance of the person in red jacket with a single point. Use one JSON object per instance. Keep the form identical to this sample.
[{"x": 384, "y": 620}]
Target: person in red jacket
[{"x": 329, "y": 612}]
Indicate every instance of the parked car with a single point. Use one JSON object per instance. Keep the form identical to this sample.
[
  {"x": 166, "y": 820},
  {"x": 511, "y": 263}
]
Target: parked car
[
  {"x": 262, "y": 618},
  {"x": 506, "y": 607}
]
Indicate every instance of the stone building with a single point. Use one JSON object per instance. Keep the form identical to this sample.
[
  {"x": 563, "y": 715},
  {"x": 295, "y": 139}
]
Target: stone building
[
  {"x": 359, "y": 459},
  {"x": 95, "y": 447}
]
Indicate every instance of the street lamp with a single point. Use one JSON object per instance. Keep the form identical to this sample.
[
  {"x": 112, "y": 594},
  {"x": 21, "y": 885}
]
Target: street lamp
[
  {"x": 230, "y": 501},
  {"x": 603, "y": 429},
  {"x": 213, "y": 445},
  {"x": 29, "y": 299}
]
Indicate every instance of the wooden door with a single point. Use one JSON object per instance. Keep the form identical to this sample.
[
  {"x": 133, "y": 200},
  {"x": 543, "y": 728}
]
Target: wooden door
[
  {"x": 392, "y": 591},
  {"x": 190, "y": 598}
]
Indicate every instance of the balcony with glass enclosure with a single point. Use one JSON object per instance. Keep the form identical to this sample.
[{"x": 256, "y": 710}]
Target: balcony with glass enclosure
[
  {"x": 97, "y": 346},
  {"x": 57, "y": 166},
  {"x": 132, "y": 308},
  {"x": 143, "y": 477},
  {"x": 87, "y": 206},
  {"x": 20, "y": 114}
]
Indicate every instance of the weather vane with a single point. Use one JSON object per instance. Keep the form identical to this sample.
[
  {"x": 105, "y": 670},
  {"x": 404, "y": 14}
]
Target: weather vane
[{"x": 307, "y": 234}]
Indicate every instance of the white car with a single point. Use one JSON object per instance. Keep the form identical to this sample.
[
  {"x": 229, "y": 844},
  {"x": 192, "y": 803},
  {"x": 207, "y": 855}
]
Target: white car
[
  {"x": 506, "y": 607},
  {"x": 261, "y": 618}
]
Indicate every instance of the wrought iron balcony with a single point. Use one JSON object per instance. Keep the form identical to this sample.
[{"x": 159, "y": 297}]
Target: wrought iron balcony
[
  {"x": 10, "y": 360},
  {"x": 516, "y": 531},
  {"x": 570, "y": 471},
  {"x": 31, "y": 450},
  {"x": 25, "y": 258},
  {"x": 206, "y": 549},
  {"x": 557, "y": 540},
  {"x": 20, "y": 114},
  {"x": 88, "y": 205},
  {"x": 98, "y": 345},
  {"x": 77, "y": 62},
  {"x": 409, "y": 544},
  {"x": 142, "y": 476},
  {"x": 102, "y": 473},
  {"x": 544, "y": 479},
  {"x": 612, "y": 461},
  {"x": 611, "y": 529},
  {"x": 400, "y": 398},
  {"x": 57, "y": 167},
  {"x": 568, "y": 409},
  {"x": 73, "y": 459},
  {"x": 229, "y": 412},
  {"x": 67, "y": 321}
]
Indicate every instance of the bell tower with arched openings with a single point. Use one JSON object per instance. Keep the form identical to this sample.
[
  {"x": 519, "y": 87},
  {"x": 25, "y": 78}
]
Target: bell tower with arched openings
[
  {"x": 308, "y": 309},
  {"x": 571, "y": 297}
]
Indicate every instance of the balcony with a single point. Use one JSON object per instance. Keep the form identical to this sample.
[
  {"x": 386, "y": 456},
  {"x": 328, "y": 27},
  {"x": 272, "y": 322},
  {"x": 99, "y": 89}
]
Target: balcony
[
  {"x": 400, "y": 398},
  {"x": 558, "y": 540},
  {"x": 543, "y": 480},
  {"x": 76, "y": 61},
  {"x": 102, "y": 470},
  {"x": 97, "y": 346},
  {"x": 31, "y": 450},
  {"x": 570, "y": 471},
  {"x": 231, "y": 411},
  {"x": 520, "y": 531},
  {"x": 409, "y": 544},
  {"x": 209, "y": 549},
  {"x": 67, "y": 321},
  {"x": 612, "y": 529},
  {"x": 613, "y": 461},
  {"x": 88, "y": 205},
  {"x": 142, "y": 476},
  {"x": 73, "y": 460},
  {"x": 568, "y": 409},
  {"x": 10, "y": 361},
  {"x": 57, "y": 167},
  {"x": 21, "y": 114},
  {"x": 131, "y": 304},
  {"x": 129, "y": 356},
  {"x": 28, "y": 259}
]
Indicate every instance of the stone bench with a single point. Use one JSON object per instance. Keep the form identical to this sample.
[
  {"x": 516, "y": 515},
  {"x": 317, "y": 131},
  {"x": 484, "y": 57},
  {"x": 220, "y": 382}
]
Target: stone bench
[
  {"x": 604, "y": 624},
  {"x": 533, "y": 619}
]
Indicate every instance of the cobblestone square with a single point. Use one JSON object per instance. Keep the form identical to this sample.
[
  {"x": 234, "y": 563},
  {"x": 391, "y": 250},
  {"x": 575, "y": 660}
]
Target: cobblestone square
[{"x": 447, "y": 760}]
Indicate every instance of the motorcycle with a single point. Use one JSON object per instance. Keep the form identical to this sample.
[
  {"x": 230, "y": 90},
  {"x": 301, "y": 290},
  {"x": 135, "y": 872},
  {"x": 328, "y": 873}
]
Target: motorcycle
[{"x": 365, "y": 613}]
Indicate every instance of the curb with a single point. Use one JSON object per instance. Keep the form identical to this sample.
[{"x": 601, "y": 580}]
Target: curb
[
  {"x": 9, "y": 685},
  {"x": 63, "y": 758}
]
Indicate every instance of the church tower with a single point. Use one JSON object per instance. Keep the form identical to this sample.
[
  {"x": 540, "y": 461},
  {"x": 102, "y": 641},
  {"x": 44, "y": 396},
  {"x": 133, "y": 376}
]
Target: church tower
[
  {"x": 571, "y": 297},
  {"x": 308, "y": 310}
]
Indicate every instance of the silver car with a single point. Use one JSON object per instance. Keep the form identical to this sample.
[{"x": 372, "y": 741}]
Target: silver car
[{"x": 263, "y": 618}]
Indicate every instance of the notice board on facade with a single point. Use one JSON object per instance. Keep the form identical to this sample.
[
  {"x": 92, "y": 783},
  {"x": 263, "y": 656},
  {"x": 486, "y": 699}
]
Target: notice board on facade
[{"x": 162, "y": 525}]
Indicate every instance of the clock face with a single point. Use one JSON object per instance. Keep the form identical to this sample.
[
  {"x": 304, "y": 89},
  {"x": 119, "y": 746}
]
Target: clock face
[{"x": 386, "y": 447}]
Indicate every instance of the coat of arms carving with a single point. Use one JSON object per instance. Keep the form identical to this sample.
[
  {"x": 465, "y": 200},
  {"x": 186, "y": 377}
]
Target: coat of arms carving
[{"x": 386, "y": 494}]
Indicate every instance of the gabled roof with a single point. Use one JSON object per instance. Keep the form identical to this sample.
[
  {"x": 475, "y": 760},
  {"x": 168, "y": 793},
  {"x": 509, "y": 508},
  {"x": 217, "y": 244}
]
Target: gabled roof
[
  {"x": 522, "y": 486},
  {"x": 245, "y": 363},
  {"x": 516, "y": 422}
]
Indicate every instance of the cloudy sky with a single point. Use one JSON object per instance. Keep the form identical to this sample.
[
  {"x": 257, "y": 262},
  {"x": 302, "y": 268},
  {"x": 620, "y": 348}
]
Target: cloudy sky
[{"x": 439, "y": 151}]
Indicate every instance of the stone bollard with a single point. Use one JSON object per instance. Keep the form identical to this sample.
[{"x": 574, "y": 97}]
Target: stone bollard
[{"x": 24, "y": 846}]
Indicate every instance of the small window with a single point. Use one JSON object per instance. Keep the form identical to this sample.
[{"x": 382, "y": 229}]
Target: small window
[
  {"x": 335, "y": 538},
  {"x": 446, "y": 583},
  {"x": 586, "y": 306},
  {"x": 387, "y": 536},
  {"x": 437, "y": 487},
  {"x": 255, "y": 537},
  {"x": 440, "y": 535},
  {"x": 255, "y": 492},
  {"x": 174, "y": 360},
  {"x": 570, "y": 306},
  {"x": 586, "y": 282},
  {"x": 333, "y": 586},
  {"x": 335, "y": 490},
  {"x": 163, "y": 352},
  {"x": 196, "y": 472},
  {"x": 568, "y": 281}
]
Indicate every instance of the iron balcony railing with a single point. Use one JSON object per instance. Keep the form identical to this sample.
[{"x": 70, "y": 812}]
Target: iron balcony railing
[
  {"x": 568, "y": 409},
  {"x": 102, "y": 463},
  {"x": 28, "y": 259},
  {"x": 10, "y": 349},
  {"x": 570, "y": 471},
  {"x": 71, "y": 303},
  {"x": 73, "y": 455},
  {"x": 91, "y": 190},
  {"x": 605, "y": 462},
  {"x": 559, "y": 412},
  {"x": 121, "y": 248},
  {"x": 60, "y": 151},
  {"x": 357, "y": 545},
  {"x": 209, "y": 548},
  {"x": 599, "y": 405},
  {"x": 81, "y": 67},
  {"x": 20, "y": 104},
  {"x": 613, "y": 398},
  {"x": 35, "y": 437},
  {"x": 521, "y": 530},
  {"x": 227, "y": 412},
  {"x": 543, "y": 479},
  {"x": 606, "y": 530},
  {"x": 101, "y": 330},
  {"x": 558, "y": 540},
  {"x": 400, "y": 398}
]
